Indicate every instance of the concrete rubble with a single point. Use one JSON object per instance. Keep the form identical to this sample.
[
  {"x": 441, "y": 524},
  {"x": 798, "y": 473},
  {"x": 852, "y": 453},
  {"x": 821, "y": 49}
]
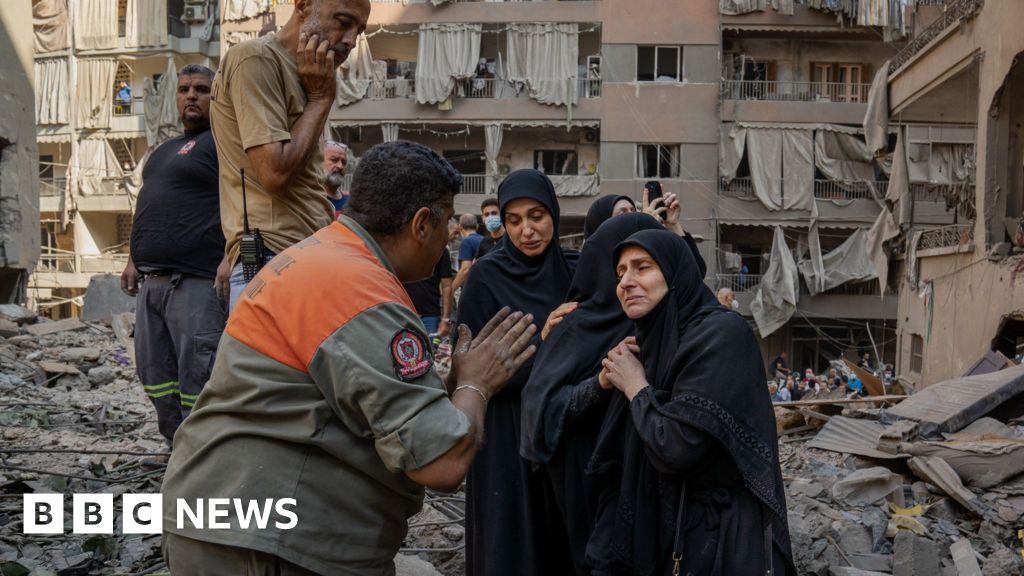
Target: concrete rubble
[{"x": 868, "y": 493}]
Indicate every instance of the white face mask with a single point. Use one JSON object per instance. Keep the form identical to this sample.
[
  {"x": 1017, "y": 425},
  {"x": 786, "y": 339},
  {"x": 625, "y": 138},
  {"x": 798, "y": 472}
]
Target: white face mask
[{"x": 735, "y": 305}]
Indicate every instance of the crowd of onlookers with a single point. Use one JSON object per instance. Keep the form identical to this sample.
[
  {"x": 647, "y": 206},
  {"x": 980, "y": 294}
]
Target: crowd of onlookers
[{"x": 790, "y": 385}]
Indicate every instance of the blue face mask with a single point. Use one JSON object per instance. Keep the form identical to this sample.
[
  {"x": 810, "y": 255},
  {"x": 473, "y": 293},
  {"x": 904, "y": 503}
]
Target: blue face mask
[{"x": 492, "y": 222}]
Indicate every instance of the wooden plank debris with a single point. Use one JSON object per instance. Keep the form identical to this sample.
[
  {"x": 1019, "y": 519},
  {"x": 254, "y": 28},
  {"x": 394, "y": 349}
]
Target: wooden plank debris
[
  {"x": 823, "y": 401},
  {"x": 58, "y": 368},
  {"x": 871, "y": 382},
  {"x": 953, "y": 404}
]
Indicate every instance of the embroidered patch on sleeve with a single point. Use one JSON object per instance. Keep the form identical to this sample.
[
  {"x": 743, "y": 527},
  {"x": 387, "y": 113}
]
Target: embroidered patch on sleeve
[{"x": 410, "y": 354}]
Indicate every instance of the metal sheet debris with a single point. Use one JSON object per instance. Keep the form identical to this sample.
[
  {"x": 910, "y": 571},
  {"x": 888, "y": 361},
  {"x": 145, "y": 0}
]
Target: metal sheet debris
[
  {"x": 951, "y": 405},
  {"x": 852, "y": 436}
]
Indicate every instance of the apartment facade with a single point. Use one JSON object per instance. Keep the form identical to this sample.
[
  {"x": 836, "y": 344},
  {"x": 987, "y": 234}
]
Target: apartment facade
[
  {"x": 657, "y": 90},
  {"x": 959, "y": 294},
  {"x": 103, "y": 99}
]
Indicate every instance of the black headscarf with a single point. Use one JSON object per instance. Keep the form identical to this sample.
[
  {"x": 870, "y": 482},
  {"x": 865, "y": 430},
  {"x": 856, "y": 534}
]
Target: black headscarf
[
  {"x": 705, "y": 366},
  {"x": 507, "y": 277},
  {"x": 600, "y": 211},
  {"x": 574, "y": 349}
]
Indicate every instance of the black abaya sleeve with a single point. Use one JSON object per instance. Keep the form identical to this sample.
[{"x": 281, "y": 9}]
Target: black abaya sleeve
[
  {"x": 692, "y": 244},
  {"x": 673, "y": 447}
]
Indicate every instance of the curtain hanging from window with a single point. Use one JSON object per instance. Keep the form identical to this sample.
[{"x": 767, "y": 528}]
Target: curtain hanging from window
[
  {"x": 95, "y": 92},
  {"x": 50, "y": 25},
  {"x": 447, "y": 52},
  {"x": 96, "y": 24},
  {"x": 245, "y": 9},
  {"x": 52, "y": 91},
  {"x": 161, "y": 108},
  {"x": 545, "y": 59},
  {"x": 146, "y": 23}
]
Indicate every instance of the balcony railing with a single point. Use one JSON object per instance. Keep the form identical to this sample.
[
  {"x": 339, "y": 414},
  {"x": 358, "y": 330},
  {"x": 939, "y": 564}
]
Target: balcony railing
[
  {"x": 953, "y": 14},
  {"x": 947, "y": 236},
  {"x": 795, "y": 91},
  {"x": 834, "y": 190},
  {"x": 738, "y": 283},
  {"x": 52, "y": 186},
  {"x": 399, "y": 88},
  {"x": 474, "y": 183},
  {"x": 135, "y": 108}
]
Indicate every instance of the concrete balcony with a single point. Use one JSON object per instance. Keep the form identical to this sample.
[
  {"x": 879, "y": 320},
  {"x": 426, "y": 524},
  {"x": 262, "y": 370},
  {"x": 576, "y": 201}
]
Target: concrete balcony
[
  {"x": 113, "y": 198},
  {"x": 827, "y": 102},
  {"x": 857, "y": 301},
  {"x": 62, "y": 269}
]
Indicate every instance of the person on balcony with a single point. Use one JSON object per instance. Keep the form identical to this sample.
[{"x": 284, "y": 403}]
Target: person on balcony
[
  {"x": 124, "y": 98},
  {"x": 272, "y": 97},
  {"x": 175, "y": 249}
]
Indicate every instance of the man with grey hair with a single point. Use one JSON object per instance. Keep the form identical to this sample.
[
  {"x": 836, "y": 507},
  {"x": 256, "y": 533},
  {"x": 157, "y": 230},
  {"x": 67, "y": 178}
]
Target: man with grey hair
[
  {"x": 176, "y": 246},
  {"x": 727, "y": 298},
  {"x": 335, "y": 167},
  {"x": 271, "y": 100}
]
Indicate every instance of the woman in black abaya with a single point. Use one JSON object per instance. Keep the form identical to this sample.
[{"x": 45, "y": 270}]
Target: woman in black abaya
[
  {"x": 513, "y": 526},
  {"x": 688, "y": 444},
  {"x": 563, "y": 406}
]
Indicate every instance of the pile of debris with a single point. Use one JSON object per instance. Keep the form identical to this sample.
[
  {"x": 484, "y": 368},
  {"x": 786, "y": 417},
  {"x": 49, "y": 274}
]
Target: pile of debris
[{"x": 930, "y": 484}]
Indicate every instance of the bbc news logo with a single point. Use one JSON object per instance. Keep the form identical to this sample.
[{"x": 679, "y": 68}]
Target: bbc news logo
[{"x": 143, "y": 514}]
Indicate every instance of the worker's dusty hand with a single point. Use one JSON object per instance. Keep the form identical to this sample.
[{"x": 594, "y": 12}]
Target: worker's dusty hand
[
  {"x": 222, "y": 281},
  {"x": 502, "y": 347},
  {"x": 556, "y": 317},
  {"x": 130, "y": 280},
  {"x": 316, "y": 68}
]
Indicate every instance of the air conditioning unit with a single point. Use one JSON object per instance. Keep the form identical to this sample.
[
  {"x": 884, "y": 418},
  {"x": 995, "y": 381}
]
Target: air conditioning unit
[{"x": 195, "y": 13}]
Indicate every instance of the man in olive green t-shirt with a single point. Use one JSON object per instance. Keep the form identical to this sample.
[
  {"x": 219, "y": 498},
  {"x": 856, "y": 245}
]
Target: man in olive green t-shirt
[{"x": 271, "y": 100}]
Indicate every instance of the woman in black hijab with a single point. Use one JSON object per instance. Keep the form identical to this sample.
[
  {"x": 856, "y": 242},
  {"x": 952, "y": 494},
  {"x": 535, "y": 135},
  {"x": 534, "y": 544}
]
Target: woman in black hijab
[
  {"x": 513, "y": 525},
  {"x": 563, "y": 406},
  {"x": 604, "y": 208},
  {"x": 689, "y": 446}
]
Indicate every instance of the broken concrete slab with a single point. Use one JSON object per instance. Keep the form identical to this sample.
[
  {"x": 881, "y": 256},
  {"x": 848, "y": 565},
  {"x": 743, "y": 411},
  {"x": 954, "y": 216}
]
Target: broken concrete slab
[
  {"x": 965, "y": 559},
  {"x": 951, "y": 405},
  {"x": 406, "y": 565},
  {"x": 936, "y": 471},
  {"x": 866, "y": 486},
  {"x": 44, "y": 328},
  {"x": 80, "y": 354},
  {"x": 914, "y": 555},
  {"x": 58, "y": 368},
  {"x": 992, "y": 361},
  {"x": 852, "y": 436},
  {"x": 8, "y": 328},
  {"x": 982, "y": 427},
  {"x": 104, "y": 299},
  {"x": 848, "y": 571},
  {"x": 17, "y": 314},
  {"x": 982, "y": 463},
  {"x": 806, "y": 486},
  {"x": 891, "y": 437},
  {"x": 872, "y": 562}
]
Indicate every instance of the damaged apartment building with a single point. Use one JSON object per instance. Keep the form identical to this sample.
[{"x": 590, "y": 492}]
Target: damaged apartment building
[
  {"x": 960, "y": 305},
  {"x": 93, "y": 135},
  {"x": 19, "y": 205}
]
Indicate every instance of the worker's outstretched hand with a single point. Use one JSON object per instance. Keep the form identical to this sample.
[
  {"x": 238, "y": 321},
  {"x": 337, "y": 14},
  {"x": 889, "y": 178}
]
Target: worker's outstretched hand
[
  {"x": 490, "y": 359},
  {"x": 316, "y": 68}
]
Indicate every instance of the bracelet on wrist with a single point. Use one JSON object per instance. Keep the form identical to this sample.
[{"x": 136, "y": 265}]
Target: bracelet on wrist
[{"x": 475, "y": 389}]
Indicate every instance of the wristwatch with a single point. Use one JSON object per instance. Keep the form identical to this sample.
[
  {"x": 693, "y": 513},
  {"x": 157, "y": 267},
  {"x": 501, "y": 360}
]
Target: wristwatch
[{"x": 448, "y": 321}]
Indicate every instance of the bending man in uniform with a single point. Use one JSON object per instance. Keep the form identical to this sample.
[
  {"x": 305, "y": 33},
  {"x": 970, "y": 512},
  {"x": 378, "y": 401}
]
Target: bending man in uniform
[{"x": 336, "y": 403}]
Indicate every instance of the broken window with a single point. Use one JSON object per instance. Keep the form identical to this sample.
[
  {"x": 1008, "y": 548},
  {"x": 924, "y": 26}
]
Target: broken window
[
  {"x": 916, "y": 353},
  {"x": 659, "y": 63},
  {"x": 657, "y": 160},
  {"x": 556, "y": 162}
]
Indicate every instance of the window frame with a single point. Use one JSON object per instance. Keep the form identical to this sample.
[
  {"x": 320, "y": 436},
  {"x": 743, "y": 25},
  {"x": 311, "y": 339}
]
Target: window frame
[
  {"x": 916, "y": 353},
  {"x": 538, "y": 162},
  {"x": 657, "y": 47},
  {"x": 675, "y": 163}
]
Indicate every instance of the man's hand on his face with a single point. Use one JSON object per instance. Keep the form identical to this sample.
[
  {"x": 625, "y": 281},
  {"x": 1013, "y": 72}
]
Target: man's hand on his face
[{"x": 316, "y": 68}]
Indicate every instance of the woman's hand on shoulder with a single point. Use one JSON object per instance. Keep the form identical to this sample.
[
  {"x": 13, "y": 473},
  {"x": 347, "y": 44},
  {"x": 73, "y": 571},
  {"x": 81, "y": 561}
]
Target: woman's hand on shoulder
[{"x": 556, "y": 317}]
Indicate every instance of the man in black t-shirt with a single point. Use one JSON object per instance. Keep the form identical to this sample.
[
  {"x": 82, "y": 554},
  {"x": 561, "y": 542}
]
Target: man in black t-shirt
[
  {"x": 433, "y": 297},
  {"x": 176, "y": 247}
]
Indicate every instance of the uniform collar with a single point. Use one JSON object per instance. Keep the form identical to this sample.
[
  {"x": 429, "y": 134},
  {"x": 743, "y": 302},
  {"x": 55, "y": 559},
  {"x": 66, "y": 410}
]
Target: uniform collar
[{"x": 368, "y": 240}]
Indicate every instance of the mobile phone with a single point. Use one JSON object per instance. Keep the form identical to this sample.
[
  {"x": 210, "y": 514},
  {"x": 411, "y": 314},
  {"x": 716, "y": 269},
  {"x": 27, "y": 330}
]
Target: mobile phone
[{"x": 653, "y": 191}]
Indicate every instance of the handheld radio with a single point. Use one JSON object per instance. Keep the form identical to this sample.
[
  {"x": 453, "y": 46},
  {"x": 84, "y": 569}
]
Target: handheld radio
[{"x": 252, "y": 251}]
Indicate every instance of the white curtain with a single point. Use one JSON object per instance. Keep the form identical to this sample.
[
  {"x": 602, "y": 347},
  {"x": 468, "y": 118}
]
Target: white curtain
[
  {"x": 447, "y": 52},
  {"x": 843, "y": 157},
  {"x": 146, "y": 23},
  {"x": 574, "y": 186},
  {"x": 244, "y": 9},
  {"x": 50, "y": 25},
  {"x": 95, "y": 24},
  {"x": 884, "y": 229},
  {"x": 898, "y": 197},
  {"x": 732, "y": 147},
  {"x": 96, "y": 161},
  {"x": 94, "y": 92},
  {"x": 849, "y": 262},
  {"x": 734, "y": 7},
  {"x": 493, "y": 134},
  {"x": 390, "y": 131},
  {"x": 545, "y": 58},
  {"x": 161, "y": 108},
  {"x": 775, "y": 300},
  {"x": 356, "y": 74},
  {"x": 52, "y": 91},
  {"x": 876, "y": 120},
  {"x": 782, "y": 167}
]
